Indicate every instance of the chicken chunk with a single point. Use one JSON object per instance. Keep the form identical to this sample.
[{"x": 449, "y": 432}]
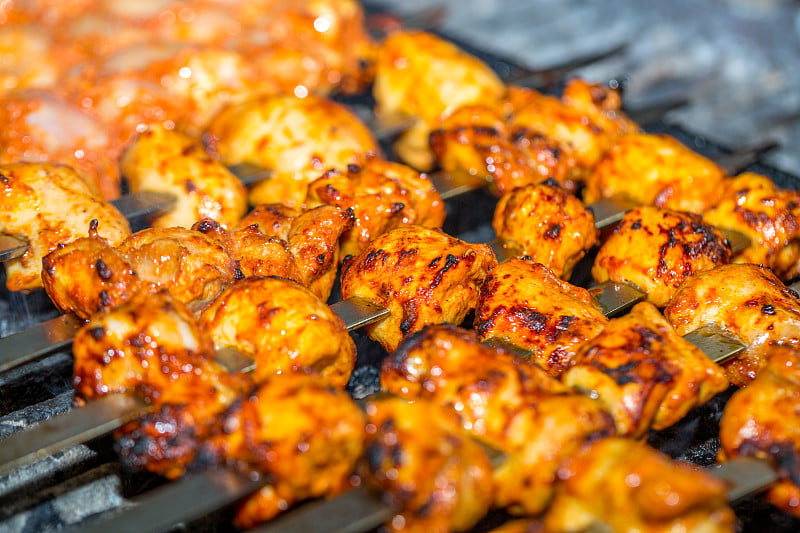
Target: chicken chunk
[
  {"x": 547, "y": 224},
  {"x": 297, "y": 138},
  {"x": 625, "y": 485},
  {"x": 505, "y": 402},
  {"x": 478, "y": 140},
  {"x": 191, "y": 266},
  {"x": 89, "y": 275},
  {"x": 748, "y": 303},
  {"x": 383, "y": 195},
  {"x": 48, "y": 206},
  {"x": 657, "y": 249},
  {"x": 171, "y": 162},
  {"x": 422, "y": 275},
  {"x": 643, "y": 372},
  {"x": 305, "y": 435},
  {"x": 421, "y": 76},
  {"x": 525, "y": 304},
  {"x": 436, "y": 475},
  {"x": 28, "y": 61},
  {"x": 763, "y": 421},
  {"x": 275, "y": 240},
  {"x": 752, "y": 204},
  {"x": 283, "y": 327},
  {"x": 665, "y": 173},
  {"x": 41, "y": 127},
  {"x": 586, "y": 120}
]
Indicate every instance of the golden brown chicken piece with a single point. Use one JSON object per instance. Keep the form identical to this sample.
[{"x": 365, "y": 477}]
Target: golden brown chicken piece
[
  {"x": 509, "y": 404},
  {"x": 656, "y": 170},
  {"x": 643, "y": 372},
  {"x": 275, "y": 240},
  {"x": 763, "y": 421},
  {"x": 171, "y": 162},
  {"x": 620, "y": 484},
  {"x": 547, "y": 224},
  {"x": 478, "y": 140},
  {"x": 191, "y": 266},
  {"x": 40, "y": 127},
  {"x": 305, "y": 435},
  {"x": 657, "y": 249},
  {"x": 422, "y": 275},
  {"x": 748, "y": 303},
  {"x": 752, "y": 204},
  {"x": 426, "y": 466},
  {"x": 283, "y": 327},
  {"x": 47, "y": 206},
  {"x": 152, "y": 346},
  {"x": 297, "y": 138},
  {"x": 383, "y": 195},
  {"x": 523, "y": 303},
  {"x": 89, "y": 275},
  {"x": 421, "y": 76},
  {"x": 586, "y": 120}
]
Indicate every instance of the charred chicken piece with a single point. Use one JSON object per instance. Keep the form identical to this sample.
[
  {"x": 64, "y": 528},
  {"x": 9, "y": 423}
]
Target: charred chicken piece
[
  {"x": 421, "y": 76},
  {"x": 525, "y": 304},
  {"x": 422, "y": 275},
  {"x": 169, "y": 161},
  {"x": 439, "y": 479},
  {"x": 48, "y": 206},
  {"x": 383, "y": 195},
  {"x": 748, "y": 303},
  {"x": 298, "y": 430},
  {"x": 643, "y": 372},
  {"x": 586, "y": 120},
  {"x": 297, "y": 138},
  {"x": 624, "y": 485},
  {"x": 283, "y": 327},
  {"x": 770, "y": 216},
  {"x": 509, "y": 404},
  {"x": 665, "y": 173},
  {"x": 89, "y": 275},
  {"x": 478, "y": 140},
  {"x": 547, "y": 224},
  {"x": 275, "y": 240},
  {"x": 152, "y": 346},
  {"x": 763, "y": 421},
  {"x": 657, "y": 249},
  {"x": 40, "y": 127}
]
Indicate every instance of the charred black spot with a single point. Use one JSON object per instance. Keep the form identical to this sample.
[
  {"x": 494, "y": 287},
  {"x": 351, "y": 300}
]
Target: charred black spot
[
  {"x": 410, "y": 316},
  {"x": 353, "y": 169},
  {"x": 553, "y": 232},
  {"x": 450, "y": 262},
  {"x": 105, "y": 300},
  {"x": 97, "y": 333},
  {"x": 238, "y": 274},
  {"x": 407, "y": 253},
  {"x": 636, "y": 224},
  {"x": 102, "y": 270},
  {"x": 321, "y": 259},
  {"x": 530, "y": 319},
  {"x": 563, "y": 322},
  {"x": 3, "y": 178},
  {"x": 550, "y": 182},
  {"x": 207, "y": 225},
  {"x": 768, "y": 309},
  {"x": 93, "y": 224},
  {"x": 190, "y": 186},
  {"x": 435, "y": 262}
]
